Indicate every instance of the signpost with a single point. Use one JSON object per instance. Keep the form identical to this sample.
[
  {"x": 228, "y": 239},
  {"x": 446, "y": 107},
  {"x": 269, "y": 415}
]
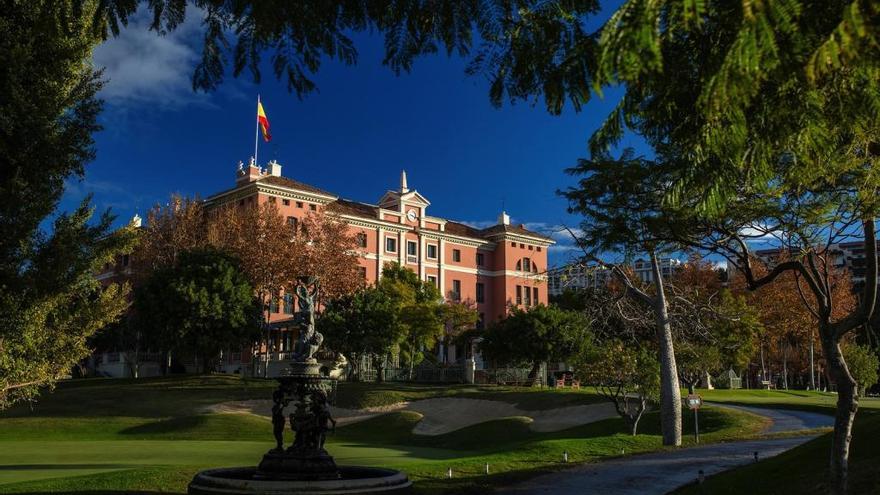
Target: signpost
[{"x": 694, "y": 401}]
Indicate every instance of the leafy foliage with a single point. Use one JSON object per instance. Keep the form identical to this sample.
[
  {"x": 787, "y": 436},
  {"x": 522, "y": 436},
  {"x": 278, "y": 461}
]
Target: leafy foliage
[
  {"x": 540, "y": 333},
  {"x": 419, "y": 307},
  {"x": 626, "y": 375},
  {"x": 362, "y": 324},
  {"x": 204, "y": 303},
  {"x": 863, "y": 364},
  {"x": 50, "y": 302}
]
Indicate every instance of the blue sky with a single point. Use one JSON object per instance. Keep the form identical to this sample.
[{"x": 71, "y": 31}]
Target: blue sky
[{"x": 352, "y": 137}]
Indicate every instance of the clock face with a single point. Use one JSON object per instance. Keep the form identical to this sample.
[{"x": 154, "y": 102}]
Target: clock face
[{"x": 411, "y": 215}]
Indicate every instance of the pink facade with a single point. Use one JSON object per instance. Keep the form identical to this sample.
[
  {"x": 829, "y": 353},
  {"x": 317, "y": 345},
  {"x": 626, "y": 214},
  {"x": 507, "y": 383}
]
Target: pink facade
[{"x": 486, "y": 266}]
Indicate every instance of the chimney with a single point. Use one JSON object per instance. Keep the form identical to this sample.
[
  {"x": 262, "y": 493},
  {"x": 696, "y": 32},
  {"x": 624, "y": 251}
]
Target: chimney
[
  {"x": 504, "y": 218},
  {"x": 247, "y": 174},
  {"x": 275, "y": 168},
  {"x": 403, "y": 187}
]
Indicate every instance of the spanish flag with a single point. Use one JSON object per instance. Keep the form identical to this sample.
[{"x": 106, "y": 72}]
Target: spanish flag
[{"x": 263, "y": 121}]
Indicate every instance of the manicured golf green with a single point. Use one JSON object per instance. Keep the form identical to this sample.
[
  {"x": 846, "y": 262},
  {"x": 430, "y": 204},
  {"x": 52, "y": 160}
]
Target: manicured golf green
[{"x": 151, "y": 436}]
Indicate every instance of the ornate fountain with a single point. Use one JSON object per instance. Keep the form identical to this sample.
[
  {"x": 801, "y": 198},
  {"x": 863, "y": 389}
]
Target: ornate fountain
[{"x": 302, "y": 402}]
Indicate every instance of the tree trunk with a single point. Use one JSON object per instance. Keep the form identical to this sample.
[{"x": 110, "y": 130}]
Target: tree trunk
[
  {"x": 812, "y": 365},
  {"x": 785, "y": 367},
  {"x": 533, "y": 374},
  {"x": 847, "y": 405},
  {"x": 379, "y": 364},
  {"x": 670, "y": 394},
  {"x": 763, "y": 369}
]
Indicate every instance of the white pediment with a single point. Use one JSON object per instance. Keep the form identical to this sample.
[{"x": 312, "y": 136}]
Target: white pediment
[{"x": 392, "y": 199}]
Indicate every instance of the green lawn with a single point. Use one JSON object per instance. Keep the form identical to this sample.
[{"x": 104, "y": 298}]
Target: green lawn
[
  {"x": 119, "y": 436},
  {"x": 801, "y": 470}
]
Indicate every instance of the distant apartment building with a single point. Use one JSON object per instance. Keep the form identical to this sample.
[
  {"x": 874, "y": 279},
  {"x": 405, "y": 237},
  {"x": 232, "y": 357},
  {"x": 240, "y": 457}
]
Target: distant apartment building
[
  {"x": 591, "y": 275},
  {"x": 845, "y": 255},
  {"x": 496, "y": 268}
]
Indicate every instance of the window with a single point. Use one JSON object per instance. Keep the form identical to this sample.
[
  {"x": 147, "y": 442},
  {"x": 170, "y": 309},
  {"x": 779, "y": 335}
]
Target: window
[
  {"x": 528, "y": 299},
  {"x": 285, "y": 202},
  {"x": 522, "y": 246},
  {"x": 526, "y": 265},
  {"x": 362, "y": 239},
  {"x": 272, "y": 199},
  {"x": 390, "y": 245},
  {"x": 456, "y": 290},
  {"x": 480, "y": 260},
  {"x": 535, "y": 295},
  {"x": 125, "y": 260},
  {"x": 530, "y": 248},
  {"x": 539, "y": 249},
  {"x": 456, "y": 255},
  {"x": 313, "y": 207},
  {"x": 519, "y": 294},
  {"x": 292, "y": 222},
  {"x": 273, "y": 305},
  {"x": 481, "y": 293},
  {"x": 432, "y": 251},
  {"x": 519, "y": 265},
  {"x": 288, "y": 303},
  {"x": 512, "y": 244},
  {"x": 240, "y": 202},
  {"x": 362, "y": 271},
  {"x": 412, "y": 252},
  {"x": 432, "y": 279}
]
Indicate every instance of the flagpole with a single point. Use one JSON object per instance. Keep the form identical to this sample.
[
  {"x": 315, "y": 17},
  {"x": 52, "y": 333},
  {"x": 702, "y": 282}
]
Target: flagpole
[{"x": 257, "y": 132}]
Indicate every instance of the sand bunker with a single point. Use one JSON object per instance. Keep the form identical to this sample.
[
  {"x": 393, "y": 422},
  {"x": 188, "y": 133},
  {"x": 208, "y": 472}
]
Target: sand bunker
[
  {"x": 263, "y": 407},
  {"x": 448, "y": 414}
]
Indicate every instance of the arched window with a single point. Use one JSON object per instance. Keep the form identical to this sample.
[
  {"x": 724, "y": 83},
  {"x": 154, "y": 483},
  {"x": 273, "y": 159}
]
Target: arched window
[
  {"x": 526, "y": 265},
  {"x": 519, "y": 265}
]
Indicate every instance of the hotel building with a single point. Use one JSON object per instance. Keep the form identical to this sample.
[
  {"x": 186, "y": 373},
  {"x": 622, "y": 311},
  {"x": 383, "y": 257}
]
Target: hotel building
[{"x": 495, "y": 268}]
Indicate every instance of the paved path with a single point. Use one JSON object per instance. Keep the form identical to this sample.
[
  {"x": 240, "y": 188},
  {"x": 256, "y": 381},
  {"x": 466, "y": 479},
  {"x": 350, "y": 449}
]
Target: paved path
[{"x": 663, "y": 472}]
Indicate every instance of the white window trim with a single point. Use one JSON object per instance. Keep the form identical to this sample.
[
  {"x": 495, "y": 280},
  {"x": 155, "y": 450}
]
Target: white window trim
[
  {"x": 387, "y": 238},
  {"x": 428, "y": 251}
]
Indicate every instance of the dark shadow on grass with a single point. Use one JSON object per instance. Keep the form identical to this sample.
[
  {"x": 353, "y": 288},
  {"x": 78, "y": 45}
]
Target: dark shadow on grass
[
  {"x": 171, "y": 425},
  {"x": 47, "y": 467},
  {"x": 107, "y": 492}
]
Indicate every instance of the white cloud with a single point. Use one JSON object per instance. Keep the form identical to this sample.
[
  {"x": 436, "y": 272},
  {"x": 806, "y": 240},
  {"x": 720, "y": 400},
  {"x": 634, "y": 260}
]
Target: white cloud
[{"x": 143, "y": 67}]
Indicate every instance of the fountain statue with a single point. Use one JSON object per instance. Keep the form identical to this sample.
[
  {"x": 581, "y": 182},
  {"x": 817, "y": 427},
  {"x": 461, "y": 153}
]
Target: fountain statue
[{"x": 305, "y": 466}]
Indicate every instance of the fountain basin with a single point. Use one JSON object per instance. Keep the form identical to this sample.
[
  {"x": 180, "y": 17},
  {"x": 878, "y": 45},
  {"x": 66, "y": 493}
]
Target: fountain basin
[{"x": 353, "y": 480}]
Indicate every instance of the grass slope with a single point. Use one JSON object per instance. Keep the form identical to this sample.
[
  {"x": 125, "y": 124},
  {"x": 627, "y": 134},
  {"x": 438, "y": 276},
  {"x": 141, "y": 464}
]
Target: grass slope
[
  {"x": 150, "y": 436},
  {"x": 803, "y": 469}
]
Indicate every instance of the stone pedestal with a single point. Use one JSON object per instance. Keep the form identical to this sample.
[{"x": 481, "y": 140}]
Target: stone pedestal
[{"x": 301, "y": 466}]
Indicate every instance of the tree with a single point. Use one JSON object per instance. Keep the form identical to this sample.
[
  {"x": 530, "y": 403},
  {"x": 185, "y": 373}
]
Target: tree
[
  {"x": 50, "y": 302},
  {"x": 622, "y": 201},
  {"x": 458, "y": 318},
  {"x": 203, "y": 303},
  {"x": 787, "y": 321},
  {"x": 736, "y": 330},
  {"x": 863, "y": 363},
  {"x": 627, "y": 376},
  {"x": 539, "y": 334},
  {"x": 179, "y": 225},
  {"x": 365, "y": 323},
  {"x": 760, "y": 110},
  {"x": 419, "y": 307},
  {"x": 275, "y": 258}
]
